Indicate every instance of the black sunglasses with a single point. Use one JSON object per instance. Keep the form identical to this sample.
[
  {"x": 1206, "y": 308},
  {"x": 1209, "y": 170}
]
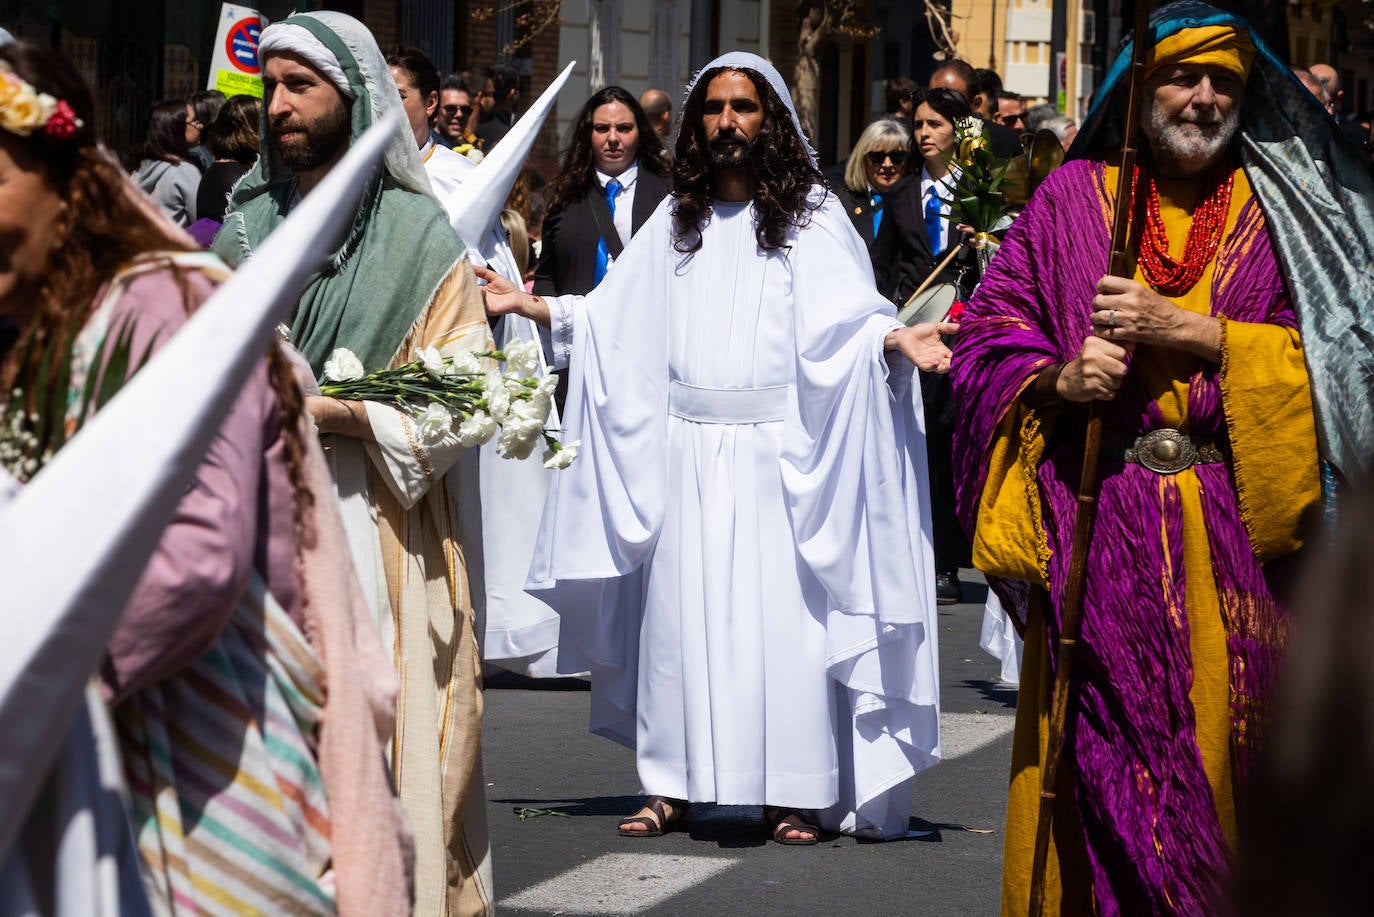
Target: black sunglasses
[
  {"x": 939, "y": 93},
  {"x": 455, "y": 109},
  {"x": 898, "y": 157}
]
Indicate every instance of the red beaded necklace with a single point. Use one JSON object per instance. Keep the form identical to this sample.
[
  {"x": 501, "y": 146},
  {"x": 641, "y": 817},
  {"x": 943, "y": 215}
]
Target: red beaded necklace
[{"x": 1174, "y": 278}]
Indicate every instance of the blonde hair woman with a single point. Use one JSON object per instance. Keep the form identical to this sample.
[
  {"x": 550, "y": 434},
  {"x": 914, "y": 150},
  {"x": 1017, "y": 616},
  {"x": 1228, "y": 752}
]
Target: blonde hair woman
[{"x": 878, "y": 162}]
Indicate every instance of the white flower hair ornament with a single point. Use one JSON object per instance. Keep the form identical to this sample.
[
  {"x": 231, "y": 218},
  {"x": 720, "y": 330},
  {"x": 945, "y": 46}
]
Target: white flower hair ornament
[{"x": 24, "y": 109}]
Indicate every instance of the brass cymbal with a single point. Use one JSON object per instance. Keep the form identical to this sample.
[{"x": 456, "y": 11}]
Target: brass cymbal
[{"x": 1045, "y": 155}]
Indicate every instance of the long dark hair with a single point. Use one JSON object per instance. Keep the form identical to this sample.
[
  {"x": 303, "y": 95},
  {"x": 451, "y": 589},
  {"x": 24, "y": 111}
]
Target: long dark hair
[
  {"x": 947, "y": 103},
  {"x": 577, "y": 170},
  {"x": 784, "y": 176},
  {"x": 166, "y": 135}
]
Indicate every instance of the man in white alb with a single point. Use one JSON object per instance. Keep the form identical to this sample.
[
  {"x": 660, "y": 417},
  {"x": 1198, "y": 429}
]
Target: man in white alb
[{"x": 741, "y": 552}]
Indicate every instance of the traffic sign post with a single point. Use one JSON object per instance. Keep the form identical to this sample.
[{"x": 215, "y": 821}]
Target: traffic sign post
[{"x": 234, "y": 68}]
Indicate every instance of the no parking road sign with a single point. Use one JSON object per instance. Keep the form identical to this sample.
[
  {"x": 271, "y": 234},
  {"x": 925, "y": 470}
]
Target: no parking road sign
[
  {"x": 235, "y": 69},
  {"x": 242, "y": 44}
]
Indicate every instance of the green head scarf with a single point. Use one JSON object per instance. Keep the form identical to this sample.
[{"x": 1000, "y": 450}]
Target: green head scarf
[{"x": 377, "y": 283}]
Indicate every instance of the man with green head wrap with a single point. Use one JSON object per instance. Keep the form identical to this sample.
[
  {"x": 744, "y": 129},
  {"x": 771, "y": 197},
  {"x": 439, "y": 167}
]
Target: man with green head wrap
[{"x": 396, "y": 285}]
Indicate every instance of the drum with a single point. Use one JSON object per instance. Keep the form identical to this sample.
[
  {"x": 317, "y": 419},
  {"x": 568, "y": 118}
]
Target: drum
[{"x": 931, "y": 306}]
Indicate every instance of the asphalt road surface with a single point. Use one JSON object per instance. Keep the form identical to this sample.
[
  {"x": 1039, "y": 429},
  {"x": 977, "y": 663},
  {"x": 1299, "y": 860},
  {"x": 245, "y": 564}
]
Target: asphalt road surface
[{"x": 564, "y": 856}]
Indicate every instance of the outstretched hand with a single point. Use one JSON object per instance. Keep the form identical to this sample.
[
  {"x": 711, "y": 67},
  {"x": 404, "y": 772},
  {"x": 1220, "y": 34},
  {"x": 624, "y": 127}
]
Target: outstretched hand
[
  {"x": 921, "y": 345},
  {"x": 499, "y": 295}
]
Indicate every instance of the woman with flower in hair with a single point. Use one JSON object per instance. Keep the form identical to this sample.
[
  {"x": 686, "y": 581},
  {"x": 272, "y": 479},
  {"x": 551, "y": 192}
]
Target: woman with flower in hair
[{"x": 251, "y": 697}]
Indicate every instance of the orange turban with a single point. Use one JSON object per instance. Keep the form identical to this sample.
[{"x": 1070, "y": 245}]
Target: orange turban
[{"x": 1214, "y": 45}]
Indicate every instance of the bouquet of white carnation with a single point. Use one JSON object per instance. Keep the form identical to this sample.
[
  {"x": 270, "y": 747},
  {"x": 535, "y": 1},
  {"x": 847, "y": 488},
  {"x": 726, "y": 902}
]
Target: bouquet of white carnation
[{"x": 460, "y": 396}]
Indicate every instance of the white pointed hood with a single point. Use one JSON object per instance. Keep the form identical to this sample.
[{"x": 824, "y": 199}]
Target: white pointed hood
[
  {"x": 74, "y": 541},
  {"x": 476, "y": 206}
]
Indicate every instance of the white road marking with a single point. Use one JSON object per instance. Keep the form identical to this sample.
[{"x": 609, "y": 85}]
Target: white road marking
[
  {"x": 617, "y": 883},
  {"x": 964, "y": 733}
]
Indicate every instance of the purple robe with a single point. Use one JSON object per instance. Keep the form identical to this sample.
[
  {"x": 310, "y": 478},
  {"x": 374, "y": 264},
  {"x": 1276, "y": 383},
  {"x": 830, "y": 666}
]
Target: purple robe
[{"x": 1146, "y": 806}]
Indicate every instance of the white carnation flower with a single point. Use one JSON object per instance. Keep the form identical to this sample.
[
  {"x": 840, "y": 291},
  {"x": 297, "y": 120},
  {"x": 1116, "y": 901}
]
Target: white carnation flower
[
  {"x": 563, "y": 457},
  {"x": 432, "y": 362},
  {"x": 498, "y": 398},
  {"x": 433, "y": 423},
  {"x": 515, "y": 441},
  {"x": 343, "y": 366},
  {"x": 542, "y": 397},
  {"x": 523, "y": 411},
  {"x": 476, "y": 430},
  {"x": 522, "y": 358},
  {"x": 466, "y": 363}
]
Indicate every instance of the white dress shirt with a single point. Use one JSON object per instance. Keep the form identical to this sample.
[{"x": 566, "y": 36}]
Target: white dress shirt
[
  {"x": 624, "y": 201},
  {"x": 946, "y": 192}
]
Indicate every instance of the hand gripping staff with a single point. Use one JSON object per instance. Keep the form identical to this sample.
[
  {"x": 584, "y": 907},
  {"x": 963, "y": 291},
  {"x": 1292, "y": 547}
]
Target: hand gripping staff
[{"x": 1071, "y": 615}]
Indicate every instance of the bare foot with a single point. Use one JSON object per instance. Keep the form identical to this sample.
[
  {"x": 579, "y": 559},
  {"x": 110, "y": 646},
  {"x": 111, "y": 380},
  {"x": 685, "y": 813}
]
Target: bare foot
[{"x": 790, "y": 826}]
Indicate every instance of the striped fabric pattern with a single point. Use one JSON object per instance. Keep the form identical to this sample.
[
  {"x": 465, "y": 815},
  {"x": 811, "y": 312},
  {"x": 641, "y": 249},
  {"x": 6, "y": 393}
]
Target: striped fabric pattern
[{"x": 228, "y": 806}]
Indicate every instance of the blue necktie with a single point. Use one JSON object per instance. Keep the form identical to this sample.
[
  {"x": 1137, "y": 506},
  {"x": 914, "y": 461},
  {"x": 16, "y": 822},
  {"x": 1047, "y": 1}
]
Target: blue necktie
[
  {"x": 603, "y": 253},
  {"x": 877, "y": 213},
  {"x": 933, "y": 232}
]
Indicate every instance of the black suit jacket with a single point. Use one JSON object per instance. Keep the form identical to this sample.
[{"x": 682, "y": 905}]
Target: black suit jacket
[
  {"x": 567, "y": 260},
  {"x": 901, "y": 254},
  {"x": 1005, "y": 142}
]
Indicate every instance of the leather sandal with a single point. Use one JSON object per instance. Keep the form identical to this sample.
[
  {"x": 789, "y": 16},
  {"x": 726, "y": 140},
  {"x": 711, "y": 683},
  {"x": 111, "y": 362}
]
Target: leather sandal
[
  {"x": 660, "y": 824},
  {"x": 780, "y": 821}
]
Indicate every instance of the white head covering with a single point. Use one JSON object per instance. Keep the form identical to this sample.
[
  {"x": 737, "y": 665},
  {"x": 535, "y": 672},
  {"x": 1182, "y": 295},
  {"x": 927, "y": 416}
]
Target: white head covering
[
  {"x": 364, "y": 74},
  {"x": 296, "y": 39},
  {"x": 743, "y": 60}
]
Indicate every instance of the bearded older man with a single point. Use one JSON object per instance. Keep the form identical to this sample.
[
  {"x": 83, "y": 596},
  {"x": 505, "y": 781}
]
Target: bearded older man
[{"x": 1210, "y": 460}]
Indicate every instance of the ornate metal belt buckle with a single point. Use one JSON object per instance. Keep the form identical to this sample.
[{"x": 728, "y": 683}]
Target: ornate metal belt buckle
[{"x": 1165, "y": 451}]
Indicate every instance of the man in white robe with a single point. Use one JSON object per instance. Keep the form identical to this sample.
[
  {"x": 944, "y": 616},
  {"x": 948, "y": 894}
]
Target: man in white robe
[{"x": 741, "y": 553}]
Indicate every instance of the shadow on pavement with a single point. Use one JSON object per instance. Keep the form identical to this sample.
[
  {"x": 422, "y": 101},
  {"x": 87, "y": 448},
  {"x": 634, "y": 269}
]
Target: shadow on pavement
[
  {"x": 998, "y": 692},
  {"x": 498, "y": 679}
]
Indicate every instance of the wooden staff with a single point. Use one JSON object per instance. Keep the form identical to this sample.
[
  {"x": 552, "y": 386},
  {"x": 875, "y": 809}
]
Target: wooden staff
[
  {"x": 1071, "y": 616},
  {"x": 933, "y": 274}
]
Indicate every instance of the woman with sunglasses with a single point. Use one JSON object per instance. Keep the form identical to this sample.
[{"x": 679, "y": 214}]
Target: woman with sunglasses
[
  {"x": 878, "y": 162},
  {"x": 918, "y": 208},
  {"x": 921, "y": 236}
]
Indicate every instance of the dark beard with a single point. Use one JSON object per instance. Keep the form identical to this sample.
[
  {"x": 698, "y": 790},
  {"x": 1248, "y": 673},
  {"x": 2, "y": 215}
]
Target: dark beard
[
  {"x": 733, "y": 152},
  {"x": 321, "y": 142}
]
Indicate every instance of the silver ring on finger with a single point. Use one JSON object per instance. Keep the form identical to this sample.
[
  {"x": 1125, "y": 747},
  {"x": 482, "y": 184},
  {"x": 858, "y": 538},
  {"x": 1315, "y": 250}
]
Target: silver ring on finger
[{"x": 1111, "y": 318}]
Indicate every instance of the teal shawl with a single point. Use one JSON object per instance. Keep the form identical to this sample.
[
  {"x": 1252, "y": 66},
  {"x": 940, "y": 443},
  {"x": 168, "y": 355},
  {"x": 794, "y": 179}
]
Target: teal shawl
[
  {"x": 378, "y": 282},
  {"x": 1318, "y": 195}
]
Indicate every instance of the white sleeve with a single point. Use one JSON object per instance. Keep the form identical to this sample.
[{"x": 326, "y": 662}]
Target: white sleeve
[
  {"x": 409, "y": 467},
  {"x": 561, "y": 312}
]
